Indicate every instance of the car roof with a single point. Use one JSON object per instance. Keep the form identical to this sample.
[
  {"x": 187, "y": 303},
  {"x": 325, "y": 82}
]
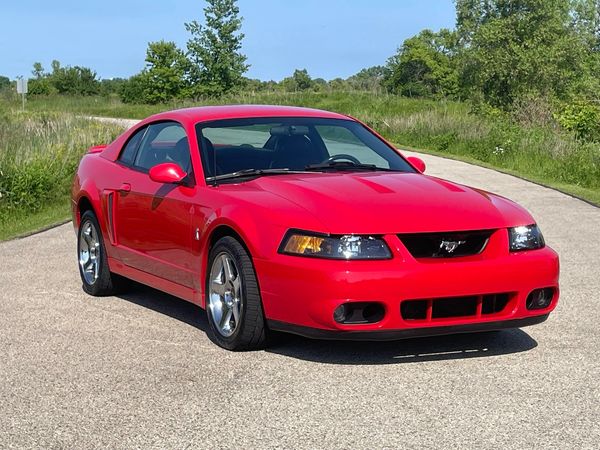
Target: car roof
[{"x": 209, "y": 113}]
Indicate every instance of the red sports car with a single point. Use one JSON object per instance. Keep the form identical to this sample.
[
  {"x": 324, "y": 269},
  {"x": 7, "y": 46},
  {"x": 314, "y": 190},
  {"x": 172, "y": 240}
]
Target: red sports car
[{"x": 307, "y": 221}]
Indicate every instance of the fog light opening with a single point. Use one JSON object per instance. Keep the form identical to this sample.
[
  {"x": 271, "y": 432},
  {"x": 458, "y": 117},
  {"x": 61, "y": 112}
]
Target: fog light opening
[
  {"x": 359, "y": 312},
  {"x": 340, "y": 314},
  {"x": 540, "y": 298},
  {"x": 373, "y": 312}
]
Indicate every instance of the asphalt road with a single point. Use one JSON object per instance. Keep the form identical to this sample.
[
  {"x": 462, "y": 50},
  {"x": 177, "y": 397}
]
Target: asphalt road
[{"x": 139, "y": 371}]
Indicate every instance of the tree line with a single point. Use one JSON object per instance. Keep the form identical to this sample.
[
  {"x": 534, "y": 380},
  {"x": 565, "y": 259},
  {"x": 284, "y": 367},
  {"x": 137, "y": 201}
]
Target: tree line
[{"x": 501, "y": 54}]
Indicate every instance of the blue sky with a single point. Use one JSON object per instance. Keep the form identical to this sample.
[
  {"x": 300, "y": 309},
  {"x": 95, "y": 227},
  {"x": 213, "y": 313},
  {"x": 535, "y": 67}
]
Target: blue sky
[{"x": 330, "y": 38}]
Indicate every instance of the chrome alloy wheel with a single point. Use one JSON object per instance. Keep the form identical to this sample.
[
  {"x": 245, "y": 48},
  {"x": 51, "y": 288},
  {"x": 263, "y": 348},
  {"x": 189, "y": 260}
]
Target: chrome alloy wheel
[
  {"x": 225, "y": 294},
  {"x": 89, "y": 252}
]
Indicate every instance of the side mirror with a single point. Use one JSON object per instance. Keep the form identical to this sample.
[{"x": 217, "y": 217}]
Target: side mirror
[
  {"x": 417, "y": 163},
  {"x": 167, "y": 173}
]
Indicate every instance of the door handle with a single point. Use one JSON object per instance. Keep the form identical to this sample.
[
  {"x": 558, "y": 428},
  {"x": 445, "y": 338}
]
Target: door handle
[{"x": 125, "y": 187}]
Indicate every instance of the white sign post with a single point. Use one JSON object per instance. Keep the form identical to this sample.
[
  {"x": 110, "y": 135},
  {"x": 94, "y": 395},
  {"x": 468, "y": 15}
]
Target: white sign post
[{"x": 22, "y": 89}]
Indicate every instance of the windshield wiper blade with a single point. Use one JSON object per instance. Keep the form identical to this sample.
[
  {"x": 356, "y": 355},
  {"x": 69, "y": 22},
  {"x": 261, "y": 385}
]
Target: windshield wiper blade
[
  {"x": 345, "y": 165},
  {"x": 252, "y": 172}
]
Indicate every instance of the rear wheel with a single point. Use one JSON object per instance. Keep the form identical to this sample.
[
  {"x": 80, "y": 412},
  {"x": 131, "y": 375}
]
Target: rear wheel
[
  {"x": 233, "y": 303},
  {"x": 95, "y": 275}
]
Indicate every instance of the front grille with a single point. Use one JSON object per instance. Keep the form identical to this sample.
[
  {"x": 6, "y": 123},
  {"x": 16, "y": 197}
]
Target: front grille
[
  {"x": 446, "y": 245},
  {"x": 449, "y": 307}
]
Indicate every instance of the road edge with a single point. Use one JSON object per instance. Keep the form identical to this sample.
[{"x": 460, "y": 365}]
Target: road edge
[{"x": 38, "y": 230}]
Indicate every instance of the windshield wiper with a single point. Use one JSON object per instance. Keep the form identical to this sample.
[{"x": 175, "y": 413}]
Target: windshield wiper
[
  {"x": 252, "y": 172},
  {"x": 346, "y": 165}
]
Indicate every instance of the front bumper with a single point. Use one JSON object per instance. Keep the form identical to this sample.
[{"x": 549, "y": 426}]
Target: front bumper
[
  {"x": 300, "y": 294},
  {"x": 392, "y": 335}
]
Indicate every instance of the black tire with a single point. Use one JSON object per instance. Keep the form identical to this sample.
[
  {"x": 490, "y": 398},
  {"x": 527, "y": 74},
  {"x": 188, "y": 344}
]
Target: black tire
[
  {"x": 251, "y": 331},
  {"x": 106, "y": 282}
]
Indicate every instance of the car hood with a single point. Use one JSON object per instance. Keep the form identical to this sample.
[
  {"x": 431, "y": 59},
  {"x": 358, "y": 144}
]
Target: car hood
[{"x": 381, "y": 202}]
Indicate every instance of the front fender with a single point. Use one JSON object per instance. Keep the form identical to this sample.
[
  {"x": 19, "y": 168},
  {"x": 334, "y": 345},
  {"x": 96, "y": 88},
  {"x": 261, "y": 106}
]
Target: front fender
[
  {"x": 85, "y": 187},
  {"x": 260, "y": 237}
]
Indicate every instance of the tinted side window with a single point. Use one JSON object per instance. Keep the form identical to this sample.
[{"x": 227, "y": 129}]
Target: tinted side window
[
  {"x": 130, "y": 148},
  {"x": 164, "y": 142}
]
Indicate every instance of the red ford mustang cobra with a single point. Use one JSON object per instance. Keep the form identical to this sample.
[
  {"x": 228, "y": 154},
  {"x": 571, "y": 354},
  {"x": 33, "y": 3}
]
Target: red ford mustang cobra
[{"x": 307, "y": 221}]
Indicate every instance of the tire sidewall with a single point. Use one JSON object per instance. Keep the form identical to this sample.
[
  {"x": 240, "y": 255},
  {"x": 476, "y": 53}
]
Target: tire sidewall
[
  {"x": 228, "y": 246},
  {"x": 94, "y": 288}
]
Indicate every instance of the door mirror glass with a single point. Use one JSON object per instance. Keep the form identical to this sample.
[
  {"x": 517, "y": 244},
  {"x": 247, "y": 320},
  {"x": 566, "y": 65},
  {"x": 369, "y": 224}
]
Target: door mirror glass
[
  {"x": 417, "y": 163},
  {"x": 167, "y": 173}
]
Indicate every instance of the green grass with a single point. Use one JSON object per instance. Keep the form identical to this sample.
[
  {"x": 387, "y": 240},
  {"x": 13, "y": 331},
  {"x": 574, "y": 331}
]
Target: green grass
[
  {"x": 23, "y": 222},
  {"x": 39, "y": 152}
]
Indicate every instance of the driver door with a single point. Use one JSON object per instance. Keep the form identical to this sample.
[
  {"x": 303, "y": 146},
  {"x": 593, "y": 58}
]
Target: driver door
[{"x": 153, "y": 220}]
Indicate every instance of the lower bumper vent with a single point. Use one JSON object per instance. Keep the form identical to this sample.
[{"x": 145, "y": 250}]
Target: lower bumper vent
[{"x": 449, "y": 307}]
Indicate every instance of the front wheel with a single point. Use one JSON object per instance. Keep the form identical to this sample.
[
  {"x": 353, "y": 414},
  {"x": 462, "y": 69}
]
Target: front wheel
[{"x": 233, "y": 303}]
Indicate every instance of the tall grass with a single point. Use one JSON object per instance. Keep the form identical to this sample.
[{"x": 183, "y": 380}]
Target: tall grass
[{"x": 39, "y": 153}]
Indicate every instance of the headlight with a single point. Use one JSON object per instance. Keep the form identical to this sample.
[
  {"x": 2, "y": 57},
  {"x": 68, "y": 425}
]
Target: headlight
[
  {"x": 348, "y": 246},
  {"x": 525, "y": 238}
]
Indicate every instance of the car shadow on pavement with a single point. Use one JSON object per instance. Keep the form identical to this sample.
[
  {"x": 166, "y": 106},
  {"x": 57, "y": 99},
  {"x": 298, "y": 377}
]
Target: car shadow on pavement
[
  {"x": 166, "y": 304},
  {"x": 438, "y": 348}
]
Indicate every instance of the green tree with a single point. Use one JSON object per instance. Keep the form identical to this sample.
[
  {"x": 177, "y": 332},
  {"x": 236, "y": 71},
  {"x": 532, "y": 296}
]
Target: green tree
[
  {"x": 424, "y": 66},
  {"x": 75, "y": 80},
  {"x": 40, "y": 86},
  {"x": 166, "y": 66},
  {"x": 4, "y": 83},
  {"x": 520, "y": 48},
  {"x": 41, "y": 83},
  {"x": 319, "y": 84},
  {"x": 367, "y": 79},
  {"x": 38, "y": 70},
  {"x": 299, "y": 81},
  {"x": 302, "y": 79},
  {"x": 111, "y": 86},
  {"x": 134, "y": 90},
  {"x": 337, "y": 84},
  {"x": 55, "y": 64},
  {"x": 586, "y": 20},
  {"x": 217, "y": 64}
]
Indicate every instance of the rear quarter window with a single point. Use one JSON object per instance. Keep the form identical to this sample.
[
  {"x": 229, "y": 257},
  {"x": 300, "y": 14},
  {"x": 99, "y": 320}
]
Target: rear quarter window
[{"x": 130, "y": 149}]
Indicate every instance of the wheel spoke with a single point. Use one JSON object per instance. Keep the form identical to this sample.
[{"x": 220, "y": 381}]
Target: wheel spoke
[
  {"x": 84, "y": 256},
  {"x": 88, "y": 264},
  {"x": 96, "y": 268},
  {"x": 87, "y": 235},
  {"x": 216, "y": 308},
  {"x": 218, "y": 288},
  {"x": 229, "y": 270},
  {"x": 237, "y": 285},
  {"x": 225, "y": 319},
  {"x": 236, "y": 311}
]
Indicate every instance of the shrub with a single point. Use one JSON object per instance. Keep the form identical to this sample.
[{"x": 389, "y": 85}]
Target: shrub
[{"x": 581, "y": 118}]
